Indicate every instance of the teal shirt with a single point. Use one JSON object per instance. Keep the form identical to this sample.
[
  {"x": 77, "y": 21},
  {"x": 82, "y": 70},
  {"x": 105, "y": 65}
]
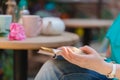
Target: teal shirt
[{"x": 113, "y": 35}]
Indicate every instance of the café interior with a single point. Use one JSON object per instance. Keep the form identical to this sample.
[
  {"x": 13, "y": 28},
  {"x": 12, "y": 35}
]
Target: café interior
[{"x": 28, "y": 25}]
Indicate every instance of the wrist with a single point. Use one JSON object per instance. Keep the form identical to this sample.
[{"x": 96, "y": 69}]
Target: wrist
[
  {"x": 105, "y": 68},
  {"x": 112, "y": 74},
  {"x": 109, "y": 69},
  {"x": 118, "y": 71}
]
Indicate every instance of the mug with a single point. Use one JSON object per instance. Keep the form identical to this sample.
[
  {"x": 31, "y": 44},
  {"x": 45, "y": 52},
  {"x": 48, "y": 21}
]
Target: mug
[
  {"x": 5, "y": 21},
  {"x": 32, "y": 25}
]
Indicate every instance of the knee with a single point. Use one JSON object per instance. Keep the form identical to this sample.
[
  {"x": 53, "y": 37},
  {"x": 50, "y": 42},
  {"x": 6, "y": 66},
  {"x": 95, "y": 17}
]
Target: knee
[{"x": 48, "y": 71}]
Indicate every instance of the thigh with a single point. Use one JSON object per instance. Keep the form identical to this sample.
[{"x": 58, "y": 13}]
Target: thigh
[
  {"x": 72, "y": 72},
  {"x": 60, "y": 69}
]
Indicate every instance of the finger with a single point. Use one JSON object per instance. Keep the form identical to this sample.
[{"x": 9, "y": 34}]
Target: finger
[
  {"x": 64, "y": 53},
  {"x": 88, "y": 50},
  {"x": 75, "y": 56},
  {"x": 70, "y": 55}
]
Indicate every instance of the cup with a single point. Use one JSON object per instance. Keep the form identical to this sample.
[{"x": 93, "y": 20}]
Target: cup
[
  {"x": 32, "y": 25},
  {"x": 5, "y": 21}
]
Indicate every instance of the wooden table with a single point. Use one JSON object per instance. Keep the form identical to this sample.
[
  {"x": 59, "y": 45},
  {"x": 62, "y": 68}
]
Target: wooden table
[
  {"x": 87, "y": 24},
  {"x": 20, "y": 49}
]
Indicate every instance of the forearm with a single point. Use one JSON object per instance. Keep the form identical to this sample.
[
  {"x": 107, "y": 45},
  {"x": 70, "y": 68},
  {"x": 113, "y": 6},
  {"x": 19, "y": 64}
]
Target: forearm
[{"x": 104, "y": 68}]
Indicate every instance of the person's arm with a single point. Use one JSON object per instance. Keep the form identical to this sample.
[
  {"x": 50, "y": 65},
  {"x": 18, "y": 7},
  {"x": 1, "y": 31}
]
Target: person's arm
[
  {"x": 118, "y": 71},
  {"x": 91, "y": 60}
]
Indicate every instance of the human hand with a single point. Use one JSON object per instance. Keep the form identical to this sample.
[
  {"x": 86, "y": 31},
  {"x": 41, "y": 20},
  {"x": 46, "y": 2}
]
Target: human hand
[{"x": 91, "y": 60}]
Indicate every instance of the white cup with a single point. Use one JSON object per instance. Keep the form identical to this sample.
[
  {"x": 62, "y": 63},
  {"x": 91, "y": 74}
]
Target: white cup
[
  {"x": 5, "y": 21},
  {"x": 32, "y": 25}
]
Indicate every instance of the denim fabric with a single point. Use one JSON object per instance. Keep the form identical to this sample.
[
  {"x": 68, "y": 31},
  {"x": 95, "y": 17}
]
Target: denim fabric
[{"x": 60, "y": 69}]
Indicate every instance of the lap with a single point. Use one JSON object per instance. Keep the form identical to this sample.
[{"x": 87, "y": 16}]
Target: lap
[{"x": 60, "y": 69}]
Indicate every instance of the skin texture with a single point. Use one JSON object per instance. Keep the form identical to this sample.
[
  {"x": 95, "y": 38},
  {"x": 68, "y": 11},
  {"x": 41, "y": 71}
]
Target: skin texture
[{"x": 90, "y": 60}]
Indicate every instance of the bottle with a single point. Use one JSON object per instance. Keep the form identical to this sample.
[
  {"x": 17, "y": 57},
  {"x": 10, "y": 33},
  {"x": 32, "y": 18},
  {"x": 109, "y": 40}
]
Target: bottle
[
  {"x": 23, "y": 10},
  {"x": 3, "y": 6}
]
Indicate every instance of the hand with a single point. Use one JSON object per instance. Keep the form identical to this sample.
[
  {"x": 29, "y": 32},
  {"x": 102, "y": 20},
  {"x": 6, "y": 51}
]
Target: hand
[{"x": 91, "y": 60}]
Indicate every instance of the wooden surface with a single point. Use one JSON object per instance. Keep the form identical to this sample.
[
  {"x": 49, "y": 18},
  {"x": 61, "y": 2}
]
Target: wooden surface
[
  {"x": 87, "y": 23},
  {"x": 65, "y": 39}
]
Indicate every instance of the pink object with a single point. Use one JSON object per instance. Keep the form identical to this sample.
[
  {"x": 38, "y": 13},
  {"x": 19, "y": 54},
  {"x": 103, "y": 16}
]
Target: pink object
[{"x": 16, "y": 32}]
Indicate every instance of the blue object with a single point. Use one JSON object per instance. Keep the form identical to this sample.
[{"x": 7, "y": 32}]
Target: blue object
[
  {"x": 113, "y": 36},
  {"x": 50, "y": 6},
  {"x": 57, "y": 69},
  {"x": 22, "y": 3}
]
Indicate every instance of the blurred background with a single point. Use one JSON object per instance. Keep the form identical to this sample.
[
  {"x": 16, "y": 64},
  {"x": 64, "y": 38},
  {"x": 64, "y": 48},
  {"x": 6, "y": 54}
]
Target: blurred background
[{"x": 65, "y": 9}]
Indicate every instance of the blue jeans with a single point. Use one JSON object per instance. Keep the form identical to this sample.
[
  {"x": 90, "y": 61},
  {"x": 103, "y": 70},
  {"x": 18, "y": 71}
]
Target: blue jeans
[{"x": 60, "y": 69}]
